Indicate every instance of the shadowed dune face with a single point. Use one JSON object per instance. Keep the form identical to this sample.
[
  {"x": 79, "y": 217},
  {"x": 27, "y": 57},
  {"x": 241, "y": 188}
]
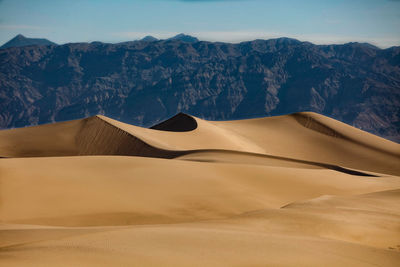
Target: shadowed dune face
[
  {"x": 295, "y": 190},
  {"x": 311, "y": 123},
  {"x": 98, "y": 137},
  {"x": 179, "y": 123}
]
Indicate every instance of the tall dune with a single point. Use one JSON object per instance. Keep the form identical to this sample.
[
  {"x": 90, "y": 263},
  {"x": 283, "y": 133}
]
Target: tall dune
[{"x": 304, "y": 136}]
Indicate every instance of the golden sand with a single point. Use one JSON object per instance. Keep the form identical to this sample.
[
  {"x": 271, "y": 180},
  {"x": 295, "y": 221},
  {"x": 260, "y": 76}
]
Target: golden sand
[{"x": 294, "y": 190}]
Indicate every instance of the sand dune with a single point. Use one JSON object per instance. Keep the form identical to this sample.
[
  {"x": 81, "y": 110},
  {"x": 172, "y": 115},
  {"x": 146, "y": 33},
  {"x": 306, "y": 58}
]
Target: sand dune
[
  {"x": 305, "y": 136},
  {"x": 300, "y": 189}
]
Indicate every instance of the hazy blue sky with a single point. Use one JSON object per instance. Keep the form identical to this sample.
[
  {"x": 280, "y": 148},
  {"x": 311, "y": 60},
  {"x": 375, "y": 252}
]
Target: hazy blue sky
[{"x": 318, "y": 21}]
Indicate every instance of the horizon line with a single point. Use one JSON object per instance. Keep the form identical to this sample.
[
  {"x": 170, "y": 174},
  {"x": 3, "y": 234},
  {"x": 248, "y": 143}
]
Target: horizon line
[{"x": 163, "y": 36}]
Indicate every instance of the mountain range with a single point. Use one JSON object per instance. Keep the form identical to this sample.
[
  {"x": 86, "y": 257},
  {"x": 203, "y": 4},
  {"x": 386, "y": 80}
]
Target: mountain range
[{"x": 143, "y": 82}]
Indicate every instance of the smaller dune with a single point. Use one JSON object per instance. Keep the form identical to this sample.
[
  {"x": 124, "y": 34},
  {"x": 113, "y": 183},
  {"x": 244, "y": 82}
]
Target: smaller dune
[
  {"x": 226, "y": 156},
  {"x": 336, "y": 129}
]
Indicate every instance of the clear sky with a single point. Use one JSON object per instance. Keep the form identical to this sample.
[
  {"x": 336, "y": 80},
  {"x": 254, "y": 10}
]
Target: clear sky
[{"x": 318, "y": 21}]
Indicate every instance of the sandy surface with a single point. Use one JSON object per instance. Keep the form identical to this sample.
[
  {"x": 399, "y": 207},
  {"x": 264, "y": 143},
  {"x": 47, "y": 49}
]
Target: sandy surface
[{"x": 295, "y": 190}]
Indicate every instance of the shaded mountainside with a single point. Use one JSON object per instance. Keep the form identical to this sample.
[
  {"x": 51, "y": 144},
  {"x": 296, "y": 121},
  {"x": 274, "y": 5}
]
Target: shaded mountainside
[{"x": 144, "y": 82}]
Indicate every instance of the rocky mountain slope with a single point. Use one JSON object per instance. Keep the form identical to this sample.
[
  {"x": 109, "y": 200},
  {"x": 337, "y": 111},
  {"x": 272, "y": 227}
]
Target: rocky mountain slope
[{"x": 143, "y": 82}]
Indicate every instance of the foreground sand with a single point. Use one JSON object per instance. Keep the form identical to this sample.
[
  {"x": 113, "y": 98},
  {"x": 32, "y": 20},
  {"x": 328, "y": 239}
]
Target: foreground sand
[{"x": 299, "y": 190}]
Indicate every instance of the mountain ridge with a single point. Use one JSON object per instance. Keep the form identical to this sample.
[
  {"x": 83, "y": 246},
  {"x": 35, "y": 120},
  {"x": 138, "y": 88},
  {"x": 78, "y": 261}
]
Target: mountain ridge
[{"x": 182, "y": 36}]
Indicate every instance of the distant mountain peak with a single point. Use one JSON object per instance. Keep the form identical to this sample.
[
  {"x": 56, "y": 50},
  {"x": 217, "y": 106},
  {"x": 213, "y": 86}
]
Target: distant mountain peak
[
  {"x": 184, "y": 38},
  {"x": 21, "y": 40},
  {"x": 149, "y": 38},
  {"x": 18, "y": 37},
  {"x": 287, "y": 40}
]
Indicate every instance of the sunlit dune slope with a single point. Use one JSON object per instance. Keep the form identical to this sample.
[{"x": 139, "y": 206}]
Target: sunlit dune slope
[
  {"x": 326, "y": 231},
  {"x": 100, "y": 190},
  {"x": 90, "y": 136},
  {"x": 132, "y": 210}
]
